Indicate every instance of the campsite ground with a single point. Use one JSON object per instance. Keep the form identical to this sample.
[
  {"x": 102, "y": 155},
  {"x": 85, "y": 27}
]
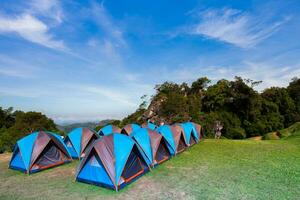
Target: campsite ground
[{"x": 213, "y": 169}]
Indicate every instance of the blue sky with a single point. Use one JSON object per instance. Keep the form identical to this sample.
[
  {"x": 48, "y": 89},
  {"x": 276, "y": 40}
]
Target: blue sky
[{"x": 92, "y": 60}]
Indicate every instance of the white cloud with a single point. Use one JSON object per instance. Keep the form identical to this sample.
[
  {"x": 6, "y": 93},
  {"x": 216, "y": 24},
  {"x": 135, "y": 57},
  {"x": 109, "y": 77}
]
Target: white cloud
[
  {"x": 21, "y": 92},
  {"x": 270, "y": 73},
  {"x": 48, "y": 8},
  {"x": 112, "y": 94},
  {"x": 14, "y": 67},
  {"x": 235, "y": 27},
  {"x": 14, "y": 73},
  {"x": 31, "y": 29},
  {"x": 105, "y": 21},
  {"x": 108, "y": 45}
]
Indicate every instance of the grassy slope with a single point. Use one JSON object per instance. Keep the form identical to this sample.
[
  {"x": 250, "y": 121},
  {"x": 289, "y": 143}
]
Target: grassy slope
[
  {"x": 223, "y": 169},
  {"x": 293, "y": 130}
]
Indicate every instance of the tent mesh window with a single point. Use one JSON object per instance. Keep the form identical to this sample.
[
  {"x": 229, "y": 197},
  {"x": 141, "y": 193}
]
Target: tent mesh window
[
  {"x": 181, "y": 145},
  {"x": 192, "y": 140},
  {"x": 50, "y": 156},
  {"x": 134, "y": 166},
  {"x": 93, "y": 138},
  {"x": 162, "y": 153}
]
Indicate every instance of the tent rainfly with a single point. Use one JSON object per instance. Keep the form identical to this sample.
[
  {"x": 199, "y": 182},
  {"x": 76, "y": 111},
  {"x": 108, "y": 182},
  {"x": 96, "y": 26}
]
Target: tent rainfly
[
  {"x": 190, "y": 133},
  {"x": 129, "y": 128},
  {"x": 198, "y": 130},
  {"x": 78, "y": 141},
  {"x": 153, "y": 144},
  {"x": 149, "y": 125},
  {"x": 38, "y": 151},
  {"x": 179, "y": 137},
  {"x": 113, "y": 161},
  {"x": 108, "y": 129},
  {"x": 175, "y": 137}
]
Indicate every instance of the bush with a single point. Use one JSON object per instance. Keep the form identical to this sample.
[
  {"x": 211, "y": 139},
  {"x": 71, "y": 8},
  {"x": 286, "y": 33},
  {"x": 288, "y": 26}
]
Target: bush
[{"x": 236, "y": 133}]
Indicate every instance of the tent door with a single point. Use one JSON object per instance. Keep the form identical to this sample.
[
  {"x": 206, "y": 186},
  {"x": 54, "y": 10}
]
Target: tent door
[
  {"x": 50, "y": 156},
  {"x": 181, "y": 146},
  {"x": 93, "y": 138},
  {"x": 134, "y": 166},
  {"x": 192, "y": 140},
  {"x": 162, "y": 153}
]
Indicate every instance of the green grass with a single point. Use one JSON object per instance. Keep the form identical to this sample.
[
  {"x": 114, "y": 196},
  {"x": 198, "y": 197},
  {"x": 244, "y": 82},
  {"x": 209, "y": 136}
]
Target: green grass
[
  {"x": 213, "y": 169},
  {"x": 293, "y": 130}
]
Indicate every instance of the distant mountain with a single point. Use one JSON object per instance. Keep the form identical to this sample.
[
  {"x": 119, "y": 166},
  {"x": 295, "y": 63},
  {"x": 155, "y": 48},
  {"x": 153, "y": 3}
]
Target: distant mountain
[{"x": 92, "y": 125}]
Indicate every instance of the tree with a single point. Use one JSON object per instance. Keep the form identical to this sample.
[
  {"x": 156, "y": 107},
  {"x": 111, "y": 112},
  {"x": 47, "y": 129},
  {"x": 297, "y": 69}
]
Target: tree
[
  {"x": 217, "y": 97},
  {"x": 294, "y": 92},
  {"x": 6, "y": 117},
  {"x": 200, "y": 84},
  {"x": 242, "y": 110},
  {"x": 285, "y": 103},
  {"x": 25, "y": 123}
]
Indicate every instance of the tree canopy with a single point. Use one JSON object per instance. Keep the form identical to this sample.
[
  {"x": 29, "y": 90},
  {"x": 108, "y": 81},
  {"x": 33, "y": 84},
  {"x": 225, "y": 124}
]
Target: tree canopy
[
  {"x": 15, "y": 125},
  {"x": 243, "y": 111}
]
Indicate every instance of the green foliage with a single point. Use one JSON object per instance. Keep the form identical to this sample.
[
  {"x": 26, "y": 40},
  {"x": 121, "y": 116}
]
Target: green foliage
[
  {"x": 294, "y": 92},
  {"x": 243, "y": 111},
  {"x": 133, "y": 118},
  {"x": 236, "y": 133},
  {"x": 272, "y": 136},
  {"x": 18, "y": 124},
  {"x": 200, "y": 84},
  {"x": 285, "y": 103},
  {"x": 6, "y": 117},
  {"x": 230, "y": 121}
]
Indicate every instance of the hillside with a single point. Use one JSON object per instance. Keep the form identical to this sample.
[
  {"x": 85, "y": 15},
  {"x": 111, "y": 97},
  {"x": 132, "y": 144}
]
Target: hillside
[
  {"x": 287, "y": 133},
  {"x": 243, "y": 111},
  {"x": 213, "y": 169}
]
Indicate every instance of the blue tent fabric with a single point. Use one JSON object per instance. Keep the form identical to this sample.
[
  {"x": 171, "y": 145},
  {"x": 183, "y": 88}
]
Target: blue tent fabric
[
  {"x": 167, "y": 134},
  {"x": 17, "y": 161},
  {"x": 25, "y": 147},
  {"x": 129, "y": 128},
  {"x": 78, "y": 140},
  {"x": 71, "y": 149},
  {"x": 96, "y": 173},
  {"x": 21, "y": 159},
  {"x": 135, "y": 126},
  {"x": 189, "y": 131},
  {"x": 106, "y": 130},
  {"x": 149, "y": 125},
  {"x": 75, "y": 138},
  {"x": 123, "y": 146},
  {"x": 93, "y": 170},
  {"x": 143, "y": 139}
]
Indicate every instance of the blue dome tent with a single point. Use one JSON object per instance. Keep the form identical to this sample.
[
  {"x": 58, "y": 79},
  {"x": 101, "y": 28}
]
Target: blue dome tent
[
  {"x": 78, "y": 140},
  {"x": 190, "y": 132},
  {"x": 39, "y": 151},
  {"x": 113, "y": 161},
  {"x": 175, "y": 137},
  {"x": 153, "y": 144}
]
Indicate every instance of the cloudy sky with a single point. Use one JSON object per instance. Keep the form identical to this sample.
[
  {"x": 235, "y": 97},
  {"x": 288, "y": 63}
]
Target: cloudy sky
[{"x": 92, "y": 60}]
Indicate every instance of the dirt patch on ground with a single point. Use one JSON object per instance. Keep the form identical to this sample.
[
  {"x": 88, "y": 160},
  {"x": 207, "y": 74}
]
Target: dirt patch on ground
[
  {"x": 257, "y": 138},
  {"x": 5, "y": 157}
]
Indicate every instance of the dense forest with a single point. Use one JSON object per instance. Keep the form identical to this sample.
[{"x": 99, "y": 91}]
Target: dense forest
[
  {"x": 16, "y": 124},
  {"x": 243, "y": 111}
]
